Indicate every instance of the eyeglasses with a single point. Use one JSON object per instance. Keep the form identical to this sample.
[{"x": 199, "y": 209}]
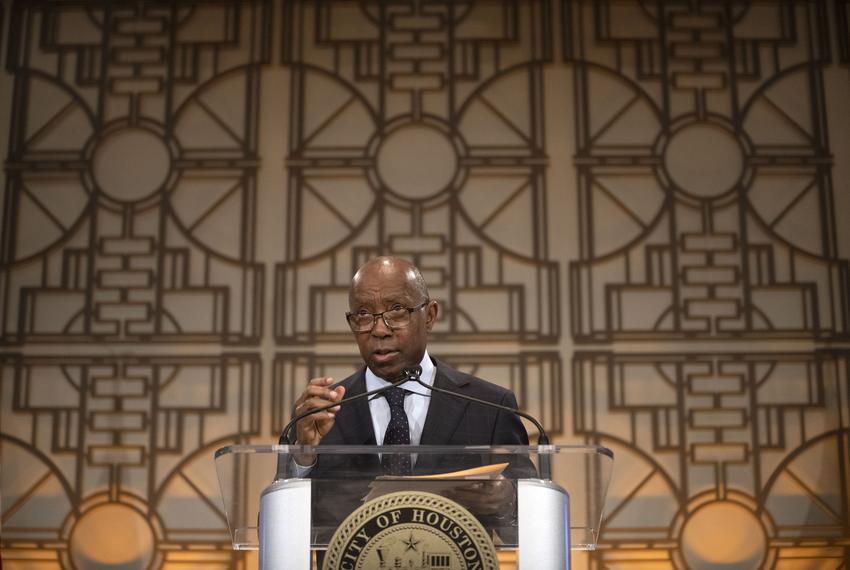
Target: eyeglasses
[{"x": 397, "y": 318}]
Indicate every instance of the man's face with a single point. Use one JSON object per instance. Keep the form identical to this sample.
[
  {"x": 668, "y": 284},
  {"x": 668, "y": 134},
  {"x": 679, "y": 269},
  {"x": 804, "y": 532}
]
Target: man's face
[{"x": 388, "y": 351}]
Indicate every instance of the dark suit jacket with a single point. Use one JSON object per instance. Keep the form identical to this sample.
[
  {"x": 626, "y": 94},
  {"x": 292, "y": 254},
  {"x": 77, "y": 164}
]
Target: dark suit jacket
[
  {"x": 340, "y": 482},
  {"x": 450, "y": 421}
]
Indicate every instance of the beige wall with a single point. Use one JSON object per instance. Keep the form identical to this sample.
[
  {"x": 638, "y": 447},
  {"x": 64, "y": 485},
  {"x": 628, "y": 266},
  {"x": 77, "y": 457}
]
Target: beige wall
[{"x": 634, "y": 216}]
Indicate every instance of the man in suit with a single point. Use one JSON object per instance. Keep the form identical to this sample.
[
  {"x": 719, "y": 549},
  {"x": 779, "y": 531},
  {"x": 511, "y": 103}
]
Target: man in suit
[{"x": 391, "y": 316}]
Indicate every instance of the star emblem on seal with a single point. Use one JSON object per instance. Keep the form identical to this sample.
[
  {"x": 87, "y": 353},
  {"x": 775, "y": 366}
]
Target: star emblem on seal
[{"x": 411, "y": 543}]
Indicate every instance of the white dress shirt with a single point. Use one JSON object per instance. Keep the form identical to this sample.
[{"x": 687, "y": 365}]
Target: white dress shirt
[{"x": 415, "y": 403}]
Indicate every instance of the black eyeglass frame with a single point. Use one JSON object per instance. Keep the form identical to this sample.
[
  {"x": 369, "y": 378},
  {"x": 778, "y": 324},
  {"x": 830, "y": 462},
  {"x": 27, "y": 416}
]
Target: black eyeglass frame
[{"x": 410, "y": 311}]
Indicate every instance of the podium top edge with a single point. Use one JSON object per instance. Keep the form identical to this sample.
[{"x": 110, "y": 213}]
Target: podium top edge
[{"x": 420, "y": 449}]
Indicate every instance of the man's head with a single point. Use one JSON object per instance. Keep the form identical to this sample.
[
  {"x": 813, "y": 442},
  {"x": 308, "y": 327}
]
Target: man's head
[{"x": 382, "y": 284}]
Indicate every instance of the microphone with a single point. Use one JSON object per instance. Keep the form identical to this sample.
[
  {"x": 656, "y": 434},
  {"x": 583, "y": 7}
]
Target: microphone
[
  {"x": 406, "y": 375},
  {"x": 542, "y": 438}
]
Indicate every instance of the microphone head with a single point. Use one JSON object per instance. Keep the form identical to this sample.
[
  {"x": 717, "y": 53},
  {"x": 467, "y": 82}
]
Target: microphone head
[{"x": 413, "y": 372}]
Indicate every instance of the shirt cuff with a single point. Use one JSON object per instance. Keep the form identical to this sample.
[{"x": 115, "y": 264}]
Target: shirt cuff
[{"x": 301, "y": 471}]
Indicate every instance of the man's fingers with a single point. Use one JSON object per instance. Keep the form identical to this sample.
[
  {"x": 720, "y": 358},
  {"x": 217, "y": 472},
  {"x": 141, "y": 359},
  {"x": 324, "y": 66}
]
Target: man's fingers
[
  {"x": 318, "y": 392},
  {"x": 321, "y": 387},
  {"x": 313, "y": 403},
  {"x": 476, "y": 488},
  {"x": 318, "y": 416},
  {"x": 313, "y": 428},
  {"x": 321, "y": 381},
  {"x": 323, "y": 426}
]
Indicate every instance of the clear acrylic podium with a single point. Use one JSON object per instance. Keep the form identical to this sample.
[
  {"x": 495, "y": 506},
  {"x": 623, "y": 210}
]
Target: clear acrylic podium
[{"x": 549, "y": 499}]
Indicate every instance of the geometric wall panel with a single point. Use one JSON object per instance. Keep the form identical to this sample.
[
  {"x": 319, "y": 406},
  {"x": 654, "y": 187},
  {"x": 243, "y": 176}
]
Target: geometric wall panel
[
  {"x": 417, "y": 129},
  {"x": 674, "y": 174},
  {"x": 535, "y": 377},
  {"x": 704, "y": 172},
  {"x": 130, "y": 201},
  {"x": 120, "y": 446},
  {"x": 758, "y": 441}
]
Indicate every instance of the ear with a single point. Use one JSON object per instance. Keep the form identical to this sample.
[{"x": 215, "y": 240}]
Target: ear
[{"x": 431, "y": 315}]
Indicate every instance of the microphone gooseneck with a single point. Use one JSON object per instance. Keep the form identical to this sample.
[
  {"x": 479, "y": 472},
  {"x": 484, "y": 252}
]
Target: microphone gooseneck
[
  {"x": 414, "y": 374},
  {"x": 542, "y": 439}
]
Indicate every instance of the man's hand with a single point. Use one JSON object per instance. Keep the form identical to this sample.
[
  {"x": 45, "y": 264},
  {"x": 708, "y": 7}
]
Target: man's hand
[
  {"x": 486, "y": 497},
  {"x": 313, "y": 428}
]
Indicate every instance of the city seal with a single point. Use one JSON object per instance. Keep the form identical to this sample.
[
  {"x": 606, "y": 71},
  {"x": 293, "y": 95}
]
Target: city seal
[{"x": 411, "y": 530}]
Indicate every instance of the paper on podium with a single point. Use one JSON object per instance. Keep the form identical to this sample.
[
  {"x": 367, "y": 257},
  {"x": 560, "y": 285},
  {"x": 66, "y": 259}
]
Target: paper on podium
[{"x": 438, "y": 483}]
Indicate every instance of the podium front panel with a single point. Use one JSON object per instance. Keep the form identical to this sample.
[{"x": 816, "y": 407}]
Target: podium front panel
[{"x": 483, "y": 480}]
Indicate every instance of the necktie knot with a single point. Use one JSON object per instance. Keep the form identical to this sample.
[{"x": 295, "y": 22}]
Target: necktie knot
[{"x": 395, "y": 398}]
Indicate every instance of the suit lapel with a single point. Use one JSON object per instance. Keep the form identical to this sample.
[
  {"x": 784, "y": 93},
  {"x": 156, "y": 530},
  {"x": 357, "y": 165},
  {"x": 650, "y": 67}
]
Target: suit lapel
[
  {"x": 355, "y": 419},
  {"x": 444, "y": 411}
]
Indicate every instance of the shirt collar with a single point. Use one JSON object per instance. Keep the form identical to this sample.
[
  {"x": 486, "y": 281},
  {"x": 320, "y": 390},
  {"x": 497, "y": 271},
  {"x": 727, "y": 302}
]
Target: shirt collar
[{"x": 428, "y": 372}]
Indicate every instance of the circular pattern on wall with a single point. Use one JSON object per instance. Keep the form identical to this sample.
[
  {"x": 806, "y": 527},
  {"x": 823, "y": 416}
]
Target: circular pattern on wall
[
  {"x": 416, "y": 161},
  {"x": 723, "y": 534},
  {"x": 130, "y": 163},
  {"x": 704, "y": 160},
  {"x": 112, "y": 535}
]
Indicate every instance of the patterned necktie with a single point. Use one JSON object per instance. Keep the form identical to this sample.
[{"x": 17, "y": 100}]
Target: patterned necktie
[{"x": 398, "y": 433}]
